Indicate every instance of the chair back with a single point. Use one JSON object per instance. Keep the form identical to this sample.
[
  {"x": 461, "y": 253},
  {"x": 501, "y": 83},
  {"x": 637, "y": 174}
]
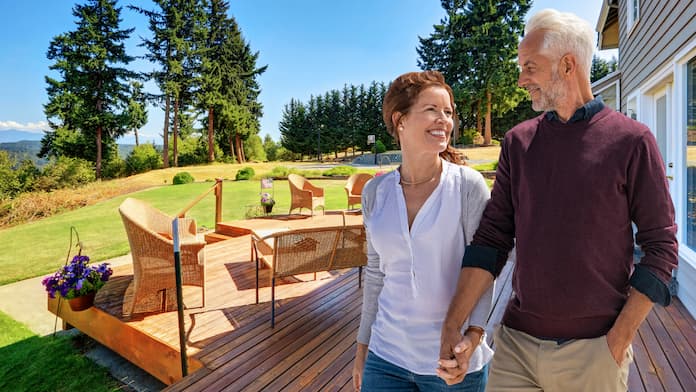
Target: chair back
[
  {"x": 304, "y": 250},
  {"x": 354, "y": 186}
]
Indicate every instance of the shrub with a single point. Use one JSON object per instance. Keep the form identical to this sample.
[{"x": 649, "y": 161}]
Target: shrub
[
  {"x": 182, "y": 178},
  {"x": 379, "y": 147},
  {"x": 246, "y": 173},
  {"x": 340, "y": 171},
  {"x": 283, "y": 154},
  {"x": 143, "y": 158},
  {"x": 280, "y": 172},
  {"x": 469, "y": 137},
  {"x": 114, "y": 168},
  {"x": 65, "y": 172}
]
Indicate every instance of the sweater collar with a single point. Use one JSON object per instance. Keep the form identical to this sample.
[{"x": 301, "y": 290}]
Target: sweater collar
[{"x": 585, "y": 112}]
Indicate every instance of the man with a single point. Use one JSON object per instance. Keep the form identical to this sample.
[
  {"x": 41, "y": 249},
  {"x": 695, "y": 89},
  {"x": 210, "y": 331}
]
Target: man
[{"x": 569, "y": 185}]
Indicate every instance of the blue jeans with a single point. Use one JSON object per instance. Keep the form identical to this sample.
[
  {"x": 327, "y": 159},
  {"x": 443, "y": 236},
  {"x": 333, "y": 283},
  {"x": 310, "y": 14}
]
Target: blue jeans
[{"x": 380, "y": 375}]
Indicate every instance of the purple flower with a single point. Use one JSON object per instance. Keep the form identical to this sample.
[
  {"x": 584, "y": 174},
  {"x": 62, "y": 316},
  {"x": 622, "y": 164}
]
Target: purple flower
[{"x": 77, "y": 278}]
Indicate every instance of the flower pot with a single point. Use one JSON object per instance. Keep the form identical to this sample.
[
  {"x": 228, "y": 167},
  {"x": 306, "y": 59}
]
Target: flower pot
[
  {"x": 83, "y": 302},
  {"x": 268, "y": 208}
]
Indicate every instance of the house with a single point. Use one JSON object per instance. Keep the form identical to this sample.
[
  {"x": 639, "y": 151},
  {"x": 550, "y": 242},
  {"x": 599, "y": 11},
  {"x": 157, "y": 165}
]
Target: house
[{"x": 656, "y": 85}]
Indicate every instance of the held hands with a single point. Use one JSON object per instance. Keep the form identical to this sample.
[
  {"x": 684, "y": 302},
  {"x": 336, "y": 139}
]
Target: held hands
[{"x": 455, "y": 351}]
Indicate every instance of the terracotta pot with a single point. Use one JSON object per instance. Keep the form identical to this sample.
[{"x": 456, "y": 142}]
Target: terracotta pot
[{"x": 81, "y": 303}]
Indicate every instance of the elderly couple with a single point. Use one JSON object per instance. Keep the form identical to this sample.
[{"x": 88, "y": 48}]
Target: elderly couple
[{"x": 568, "y": 187}]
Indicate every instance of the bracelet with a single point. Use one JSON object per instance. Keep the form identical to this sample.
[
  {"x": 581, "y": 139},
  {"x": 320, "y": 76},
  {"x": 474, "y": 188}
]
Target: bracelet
[{"x": 479, "y": 330}]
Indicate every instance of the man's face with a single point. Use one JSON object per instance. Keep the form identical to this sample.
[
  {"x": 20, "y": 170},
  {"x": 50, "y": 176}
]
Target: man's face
[{"x": 539, "y": 74}]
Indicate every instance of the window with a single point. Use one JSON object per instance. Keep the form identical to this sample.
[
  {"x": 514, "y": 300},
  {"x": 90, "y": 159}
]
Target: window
[
  {"x": 691, "y": 154},
  {"x": 632, "y": 12}
]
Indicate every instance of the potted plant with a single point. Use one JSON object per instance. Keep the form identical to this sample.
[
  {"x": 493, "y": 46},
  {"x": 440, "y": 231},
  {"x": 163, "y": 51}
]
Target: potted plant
[
  {"x": 267, "y": 202},
  {"x": 78, "y": 282}
]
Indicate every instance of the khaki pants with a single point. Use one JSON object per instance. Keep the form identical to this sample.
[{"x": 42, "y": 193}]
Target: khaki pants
[{"x": 524, "y": 363}]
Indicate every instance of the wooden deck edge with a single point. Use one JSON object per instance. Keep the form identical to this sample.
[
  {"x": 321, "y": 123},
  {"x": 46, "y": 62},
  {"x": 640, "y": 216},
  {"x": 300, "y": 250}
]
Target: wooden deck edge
[{"x": 147, "y": 352}]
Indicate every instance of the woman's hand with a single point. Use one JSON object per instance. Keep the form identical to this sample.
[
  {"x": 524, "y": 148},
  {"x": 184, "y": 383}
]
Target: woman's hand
[{"x": 359, "y": 365}]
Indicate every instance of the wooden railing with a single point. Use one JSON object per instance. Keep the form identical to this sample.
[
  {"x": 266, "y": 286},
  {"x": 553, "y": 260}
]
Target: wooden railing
[{"x": 218, "y": 201}]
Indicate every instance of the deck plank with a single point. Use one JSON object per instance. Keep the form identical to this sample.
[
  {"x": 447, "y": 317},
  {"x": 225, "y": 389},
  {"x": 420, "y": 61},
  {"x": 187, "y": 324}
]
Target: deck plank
[{"x": 313, "y": 344}]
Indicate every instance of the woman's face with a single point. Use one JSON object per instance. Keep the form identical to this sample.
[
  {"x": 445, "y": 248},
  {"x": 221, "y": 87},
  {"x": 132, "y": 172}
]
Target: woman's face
[{"x": 428, "y": 124}]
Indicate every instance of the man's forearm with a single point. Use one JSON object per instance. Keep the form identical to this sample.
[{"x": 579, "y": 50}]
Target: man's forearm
[
  {"x": 473, "y": 282},
  {"x": 634, "y": 312}
]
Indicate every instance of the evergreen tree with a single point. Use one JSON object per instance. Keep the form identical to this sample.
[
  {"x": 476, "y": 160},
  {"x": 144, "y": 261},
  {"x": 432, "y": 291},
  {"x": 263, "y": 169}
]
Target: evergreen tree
[
  {"x": 474, "y": 46},
  {"x": 136, "y": 113},
  {"x": 229, "y": 81},
  {"x": 601, "y": 68},
  {"x": 93, "y": 87},
  {"x": 271, "y": 148}
]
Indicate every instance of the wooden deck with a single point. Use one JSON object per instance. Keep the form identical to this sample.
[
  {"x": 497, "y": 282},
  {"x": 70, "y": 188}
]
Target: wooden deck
[{"x": 231, "y": 345}]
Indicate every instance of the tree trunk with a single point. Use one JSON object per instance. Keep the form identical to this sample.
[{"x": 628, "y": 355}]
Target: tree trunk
[
  {"x": 211, "y": 151},
  {"x": 99, "y": 151},
  {"x": 238, "y": 148},
  {"x": 487, "y": 135},
  {"x": 165, "y": 134},
  {"x": 230, "y": 141},
  {"x": 175, "y": 136},
  {"x": 479, "y": 123},
  {"x": 135, "y": 132}
]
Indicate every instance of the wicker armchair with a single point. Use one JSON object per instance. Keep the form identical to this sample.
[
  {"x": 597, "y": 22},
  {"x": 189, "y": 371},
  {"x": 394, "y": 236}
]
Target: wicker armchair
[
  {"x": 150, "y": 237},
  {"x": 304, "y": 195},
  {"x": 302, "y": 251},
  {"x": 354, "y": 187}
]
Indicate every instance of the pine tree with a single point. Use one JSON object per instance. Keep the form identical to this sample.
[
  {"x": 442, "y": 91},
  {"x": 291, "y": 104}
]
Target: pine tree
[
  {"x": 475, "y": 47},
  {"x": 88, "y": 99},
  {"x": 136, "y": 113}
]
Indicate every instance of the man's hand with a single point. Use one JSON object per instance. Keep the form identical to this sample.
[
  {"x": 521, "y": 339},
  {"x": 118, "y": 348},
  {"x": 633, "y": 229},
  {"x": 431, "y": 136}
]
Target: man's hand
[
  {"x": 618, "y": 345},
  {"x": 359, "y": 365},
  {"x": 455, "y": 351}
]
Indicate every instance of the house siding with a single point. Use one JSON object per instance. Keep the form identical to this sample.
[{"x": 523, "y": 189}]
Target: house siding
[{"x": 659, "y": 33}]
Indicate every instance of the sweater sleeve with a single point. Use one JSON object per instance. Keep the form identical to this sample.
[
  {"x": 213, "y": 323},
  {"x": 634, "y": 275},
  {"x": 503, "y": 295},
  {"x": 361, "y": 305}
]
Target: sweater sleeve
[
  {"x": 494, "y": 238},
  {"x": 374, "y": 278},
  {"x": 652, "y": 211},
  {"x": 476, "y": 197}
]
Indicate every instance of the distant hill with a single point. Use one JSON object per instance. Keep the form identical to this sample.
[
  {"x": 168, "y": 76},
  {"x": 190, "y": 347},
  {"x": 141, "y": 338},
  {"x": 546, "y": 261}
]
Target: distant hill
[
  {"x": 28, "y": 149},
  {"x": 13, "y": 135}
]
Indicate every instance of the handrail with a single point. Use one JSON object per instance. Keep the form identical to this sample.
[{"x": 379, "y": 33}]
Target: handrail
[{"x": 218, "y": 201}]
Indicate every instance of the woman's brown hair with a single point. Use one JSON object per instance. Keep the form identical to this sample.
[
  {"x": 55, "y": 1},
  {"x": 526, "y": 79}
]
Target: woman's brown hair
[{"x": 402, "y": 94}]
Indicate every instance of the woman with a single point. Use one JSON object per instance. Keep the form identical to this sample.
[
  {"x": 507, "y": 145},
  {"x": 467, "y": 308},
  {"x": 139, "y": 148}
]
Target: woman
[{"x": 418, "y": 220}]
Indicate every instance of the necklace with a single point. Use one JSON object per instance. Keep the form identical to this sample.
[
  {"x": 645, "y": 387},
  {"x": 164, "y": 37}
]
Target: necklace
[{"x": 404, "y": 182}]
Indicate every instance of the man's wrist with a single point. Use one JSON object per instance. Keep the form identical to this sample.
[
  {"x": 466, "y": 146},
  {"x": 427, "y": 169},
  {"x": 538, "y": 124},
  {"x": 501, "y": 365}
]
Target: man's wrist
[{"x": 475, "y": 333}]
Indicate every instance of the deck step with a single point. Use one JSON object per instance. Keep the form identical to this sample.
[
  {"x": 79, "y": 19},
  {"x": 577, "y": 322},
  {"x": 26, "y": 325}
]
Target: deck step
[{"x": 216, "y": 237}]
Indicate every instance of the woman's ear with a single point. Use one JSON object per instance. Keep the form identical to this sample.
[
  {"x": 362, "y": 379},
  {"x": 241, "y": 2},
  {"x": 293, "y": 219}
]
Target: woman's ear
[{"x": 397, "y": 119}]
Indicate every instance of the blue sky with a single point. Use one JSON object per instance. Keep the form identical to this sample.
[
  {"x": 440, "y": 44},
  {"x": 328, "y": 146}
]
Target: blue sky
[{"x": 310, "y": 47}]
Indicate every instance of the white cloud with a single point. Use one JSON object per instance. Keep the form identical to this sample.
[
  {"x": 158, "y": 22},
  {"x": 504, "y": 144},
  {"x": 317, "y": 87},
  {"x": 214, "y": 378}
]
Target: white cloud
[{"x": 37, "y": 127}]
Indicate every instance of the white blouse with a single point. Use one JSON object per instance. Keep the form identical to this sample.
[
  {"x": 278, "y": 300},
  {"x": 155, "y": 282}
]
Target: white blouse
[{"x": 420, "y": 269}]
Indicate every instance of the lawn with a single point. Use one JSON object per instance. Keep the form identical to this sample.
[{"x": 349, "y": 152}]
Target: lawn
[
  {"x": 33, "y": 363},
  {"x": 40, "y": 247}
]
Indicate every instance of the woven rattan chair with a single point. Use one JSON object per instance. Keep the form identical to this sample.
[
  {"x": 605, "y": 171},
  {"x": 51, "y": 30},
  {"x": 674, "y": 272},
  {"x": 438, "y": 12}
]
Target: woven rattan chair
[
  {"x": 354, "y": 187},
  {"x": 308, "y": 250},
  {"x": 150, "y": 237},
  {"x": 304, "y": 195}
]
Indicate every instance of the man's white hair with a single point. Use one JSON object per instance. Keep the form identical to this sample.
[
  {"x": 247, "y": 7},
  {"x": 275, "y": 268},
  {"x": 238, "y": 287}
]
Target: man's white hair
[{"x": 564, "y": 33}]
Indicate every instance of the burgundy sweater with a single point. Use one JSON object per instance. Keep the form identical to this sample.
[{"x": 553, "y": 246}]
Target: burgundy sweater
[{"x": 565, "y": 195}]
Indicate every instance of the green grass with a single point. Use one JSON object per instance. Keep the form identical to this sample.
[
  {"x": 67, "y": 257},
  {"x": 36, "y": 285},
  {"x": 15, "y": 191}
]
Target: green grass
[
  {"x": 33, "y": 363},
  {"x": 492, "y": 166},
  {"x": 40, "y": 247}
]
